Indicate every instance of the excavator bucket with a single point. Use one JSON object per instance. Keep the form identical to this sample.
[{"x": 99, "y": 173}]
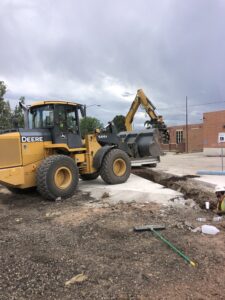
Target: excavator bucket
[{"x": 143, "y": 145}]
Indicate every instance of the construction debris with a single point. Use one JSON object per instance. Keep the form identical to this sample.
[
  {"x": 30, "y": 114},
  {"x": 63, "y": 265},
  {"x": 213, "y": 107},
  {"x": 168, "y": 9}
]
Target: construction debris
[
  {"x": 76, "y": 279},
  {"x": 209, "y": 229}
]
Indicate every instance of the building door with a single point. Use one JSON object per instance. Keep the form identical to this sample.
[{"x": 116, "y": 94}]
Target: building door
[
  {"x": 180, "y": 144},
  {"x": 179, "y": 136}
]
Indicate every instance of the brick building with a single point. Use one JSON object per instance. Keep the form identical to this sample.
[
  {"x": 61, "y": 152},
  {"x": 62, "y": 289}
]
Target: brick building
[
  {"x": 201, "y": 137},
  {"x": 178, "y": 138},
  {"x": 213, "y": 124}
]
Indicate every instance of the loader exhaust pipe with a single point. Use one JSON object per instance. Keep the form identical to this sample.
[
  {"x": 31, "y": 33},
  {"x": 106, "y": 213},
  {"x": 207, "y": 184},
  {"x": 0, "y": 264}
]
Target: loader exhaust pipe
[{"x": 25, "y": 112}]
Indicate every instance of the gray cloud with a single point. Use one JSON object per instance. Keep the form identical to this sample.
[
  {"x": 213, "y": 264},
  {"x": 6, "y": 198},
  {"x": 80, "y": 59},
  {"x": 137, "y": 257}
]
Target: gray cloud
[{"x": 95, "y": 51}]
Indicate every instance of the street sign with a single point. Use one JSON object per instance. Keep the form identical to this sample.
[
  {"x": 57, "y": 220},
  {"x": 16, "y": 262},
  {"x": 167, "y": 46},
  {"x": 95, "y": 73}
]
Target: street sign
[{"x": 221, "y": 137}]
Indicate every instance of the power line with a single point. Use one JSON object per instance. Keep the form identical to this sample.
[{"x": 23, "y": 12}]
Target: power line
[
  {"x": 181, "y": 106},
  {"x": 207, "y": 103}
]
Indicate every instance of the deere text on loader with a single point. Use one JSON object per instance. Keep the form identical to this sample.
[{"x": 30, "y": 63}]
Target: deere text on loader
[{"x": 50, "y": 155}]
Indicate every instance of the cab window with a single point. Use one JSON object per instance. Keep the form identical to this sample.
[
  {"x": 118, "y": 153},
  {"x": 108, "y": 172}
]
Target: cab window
[
  {"x": 67, "y": 118},
  {"x": 41, "y": 117}
]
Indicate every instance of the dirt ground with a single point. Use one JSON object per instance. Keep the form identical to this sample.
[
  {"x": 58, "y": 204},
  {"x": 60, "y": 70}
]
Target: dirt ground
[{"x": 44, "y": 244}]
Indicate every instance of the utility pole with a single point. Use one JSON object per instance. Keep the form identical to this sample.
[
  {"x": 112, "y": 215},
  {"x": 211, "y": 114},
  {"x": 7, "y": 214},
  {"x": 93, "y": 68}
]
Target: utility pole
[
  {"x": 186, "y": 124},
  {"x": 85, "y": 108}
]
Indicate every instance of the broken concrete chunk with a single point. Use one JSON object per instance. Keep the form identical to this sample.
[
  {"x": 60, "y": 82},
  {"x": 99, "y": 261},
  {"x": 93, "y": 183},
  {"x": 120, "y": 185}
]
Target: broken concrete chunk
[
  {"x": 197, "y": 229},
  {"x": 188, "y": 224},
  {"x": 105, "y": 195},
  {"x": 53, "y": 214},
  {"x": 76, "y": 279},
  {"x": 18, "y": 220},
  {"x": 191, "y": 203}
]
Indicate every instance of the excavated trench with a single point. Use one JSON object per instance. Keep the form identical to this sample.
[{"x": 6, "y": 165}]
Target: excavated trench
[{"x": 198, "y": 191}]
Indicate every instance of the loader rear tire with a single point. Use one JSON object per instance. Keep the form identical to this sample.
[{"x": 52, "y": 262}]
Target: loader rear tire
[
  {"x": 116, "y": 167},
  {"x": 57, "y": 176},
  {"x": 91, "y": 176}
]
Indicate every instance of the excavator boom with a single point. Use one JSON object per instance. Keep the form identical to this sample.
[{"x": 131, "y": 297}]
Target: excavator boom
[
  {"x": 140, "y": 100},
  {"x": 155, "y": 121}
]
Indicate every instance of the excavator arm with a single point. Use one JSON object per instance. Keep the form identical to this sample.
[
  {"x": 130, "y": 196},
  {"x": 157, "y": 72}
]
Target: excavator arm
[
  {"x": 140, "y": 100},
  {"x": 155, "y": 120}
]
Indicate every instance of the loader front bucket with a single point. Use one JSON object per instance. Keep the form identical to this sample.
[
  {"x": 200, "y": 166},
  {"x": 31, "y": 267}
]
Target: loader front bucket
[{"x": 142, "y": 143}]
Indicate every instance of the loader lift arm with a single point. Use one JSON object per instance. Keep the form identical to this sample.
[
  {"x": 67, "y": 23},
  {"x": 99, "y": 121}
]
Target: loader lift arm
[{"x": 155, "y": 120}]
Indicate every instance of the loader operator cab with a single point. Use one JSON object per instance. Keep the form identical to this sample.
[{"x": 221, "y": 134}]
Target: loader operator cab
[{"x": 61, "y": 119}]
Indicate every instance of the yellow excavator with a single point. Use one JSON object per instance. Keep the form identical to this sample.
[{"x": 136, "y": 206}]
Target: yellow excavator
[
  {"x": 49, "y": 153},
  {"x": 156, "y": 132},
  {"x": 156, "y": 121}
]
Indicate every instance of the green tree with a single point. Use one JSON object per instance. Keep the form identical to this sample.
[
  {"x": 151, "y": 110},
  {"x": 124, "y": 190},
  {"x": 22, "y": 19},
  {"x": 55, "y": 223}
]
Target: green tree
[
  {"x": 5, "y": 110},
  {"x": 2, "y": 90},
  {"x": 18, "y": 113},
  {"x": 89, "y": 124},
  {"x": 119, "y": 122}
]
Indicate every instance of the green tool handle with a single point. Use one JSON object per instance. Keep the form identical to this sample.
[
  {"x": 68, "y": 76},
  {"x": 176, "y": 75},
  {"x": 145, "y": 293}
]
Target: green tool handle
[{"x": 186, "y": 258}]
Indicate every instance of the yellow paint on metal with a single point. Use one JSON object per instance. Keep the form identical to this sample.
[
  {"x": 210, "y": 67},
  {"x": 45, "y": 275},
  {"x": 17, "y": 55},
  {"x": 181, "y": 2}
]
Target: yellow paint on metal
[
  {"x": 10, "y": 150},
  {"x": 47, "y": 102},
  {"x": 79, "y": 157},
  {"x": 119, "y": 167},
  {"x": 141, "y": 99},
  {"x": 19, "y": 161},
  {"x": 22, "y": 177},
  {"x": 64, "y": 146},
  {"x": 30, "y": 175},
  {"x": 92, "y": 146},
  {"x": 13, "y": 176},
  {"x": 32, "y": 152},
  {"x": 63, "y": 178}
]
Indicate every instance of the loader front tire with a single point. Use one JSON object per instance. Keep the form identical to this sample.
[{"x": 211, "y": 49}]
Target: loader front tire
[
  {"x": 57, "y": 176},
  {"x": 116, "y": 167}
]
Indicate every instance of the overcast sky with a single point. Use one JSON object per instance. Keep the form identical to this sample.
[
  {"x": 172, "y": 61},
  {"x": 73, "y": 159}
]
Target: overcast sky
[{"x": 95, "y": 51}]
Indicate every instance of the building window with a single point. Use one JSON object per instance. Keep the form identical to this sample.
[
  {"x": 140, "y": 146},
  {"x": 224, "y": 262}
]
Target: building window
[{"x": 179, "y": 136}]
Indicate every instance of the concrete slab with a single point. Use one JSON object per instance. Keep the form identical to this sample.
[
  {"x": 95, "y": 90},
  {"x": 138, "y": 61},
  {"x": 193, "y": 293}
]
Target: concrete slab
[
  {"x": 212, "y": 179},
  {"x": 189, "y": 164},
  {"x": 136, "y": 189}
]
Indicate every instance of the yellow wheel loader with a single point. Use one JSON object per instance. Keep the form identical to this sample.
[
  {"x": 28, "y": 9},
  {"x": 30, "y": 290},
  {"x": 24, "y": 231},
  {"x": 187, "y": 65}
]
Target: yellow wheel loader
[{"x": 50, "y": 155}]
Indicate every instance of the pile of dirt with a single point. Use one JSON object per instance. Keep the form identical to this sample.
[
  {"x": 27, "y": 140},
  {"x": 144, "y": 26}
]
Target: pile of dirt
[{"x": 45, "y": 244}]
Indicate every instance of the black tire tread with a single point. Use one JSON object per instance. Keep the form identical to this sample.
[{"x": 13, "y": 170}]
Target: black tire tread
[
  {"x": 106, "y": 171},
  {"x": 42, "y": 171}
]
